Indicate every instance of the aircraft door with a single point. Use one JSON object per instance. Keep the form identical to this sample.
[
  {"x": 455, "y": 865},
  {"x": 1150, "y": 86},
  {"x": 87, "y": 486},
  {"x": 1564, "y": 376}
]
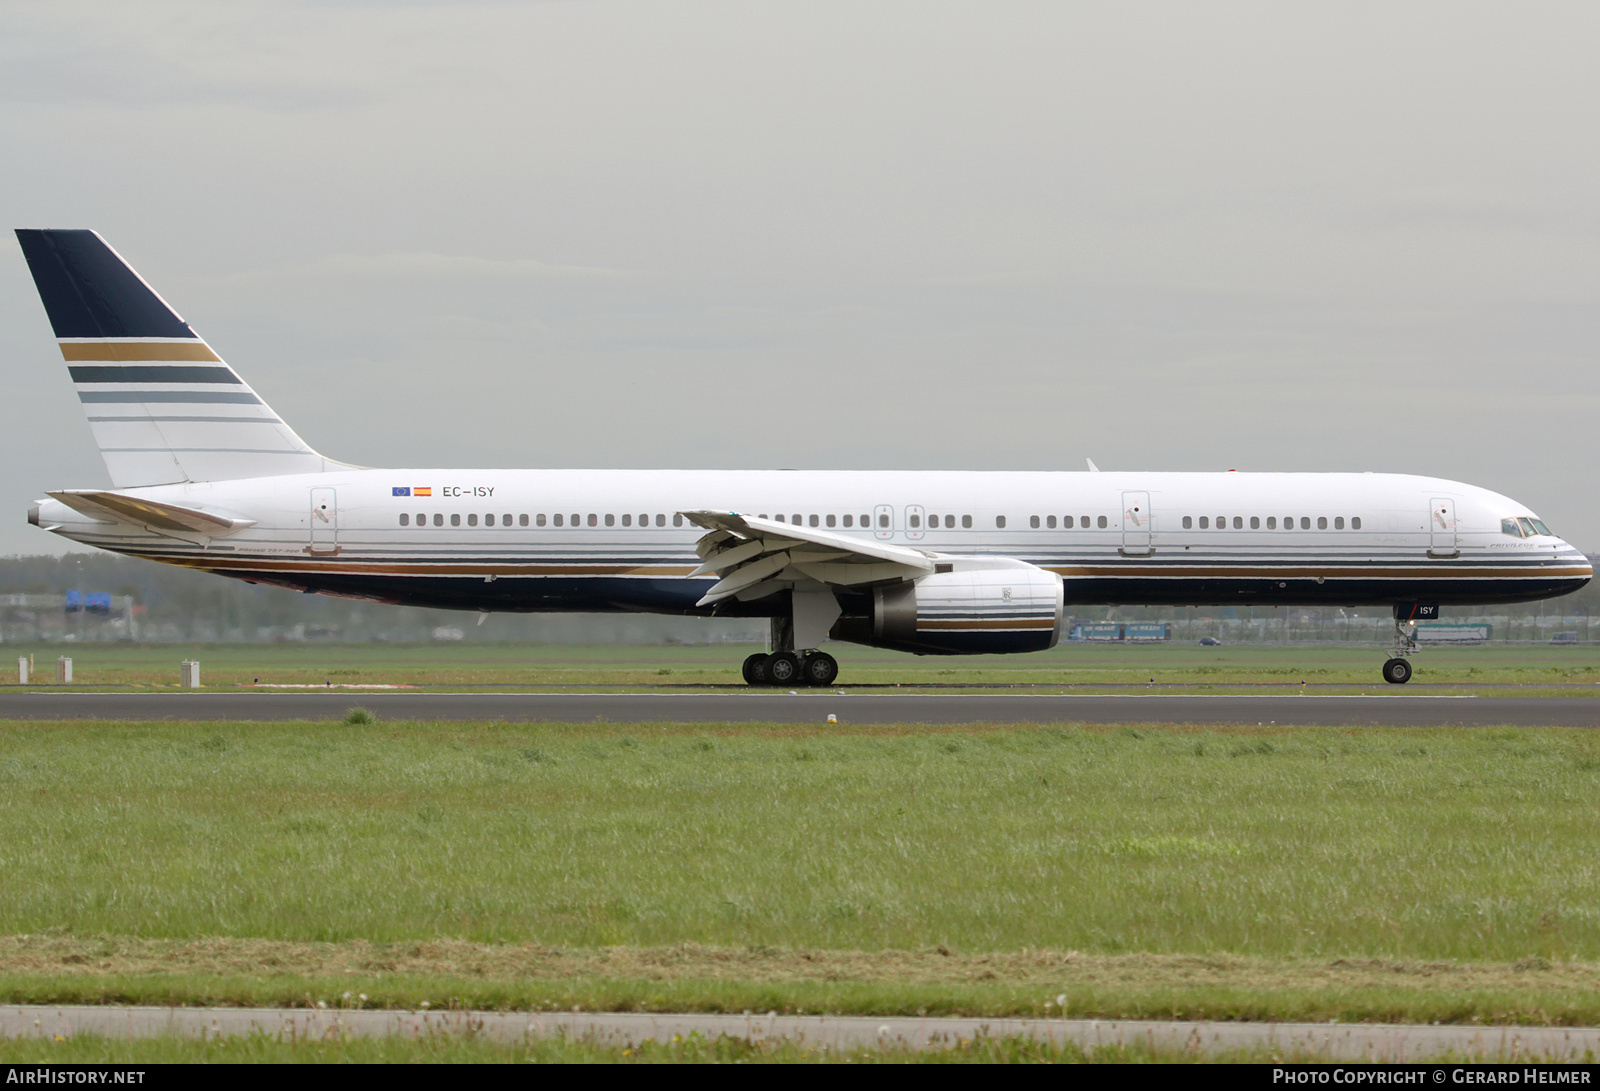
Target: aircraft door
[
  {"x": 883, "y": 521},
  {"x": 1442, "y": 528},
  {"x": 1136, "y": 524},
  {"x": 914, "y": 520},
  {"x": 324, "y": 521}
]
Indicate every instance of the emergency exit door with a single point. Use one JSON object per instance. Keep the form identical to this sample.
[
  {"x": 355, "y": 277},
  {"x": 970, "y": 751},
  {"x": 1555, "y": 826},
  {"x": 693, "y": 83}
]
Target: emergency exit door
[
  {"x": 324, "y": 521},
  {"x": 1136, "y": 541}
]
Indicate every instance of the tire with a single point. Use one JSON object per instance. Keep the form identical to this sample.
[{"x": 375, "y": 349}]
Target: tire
[
  {"x": 820, "y": 669},
  {"x": 1397, "y": 672},
  {"x": 755, "y": 670},
  {"x": 783, "y": 669}
]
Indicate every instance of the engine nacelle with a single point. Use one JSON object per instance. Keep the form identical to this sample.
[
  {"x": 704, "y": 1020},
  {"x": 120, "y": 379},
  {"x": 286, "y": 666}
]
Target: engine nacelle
[{"x": 977, "y": 606}]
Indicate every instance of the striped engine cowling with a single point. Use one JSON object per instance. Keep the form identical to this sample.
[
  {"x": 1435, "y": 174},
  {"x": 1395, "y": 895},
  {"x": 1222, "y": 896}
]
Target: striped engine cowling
[{"x": 989, "y": 606}]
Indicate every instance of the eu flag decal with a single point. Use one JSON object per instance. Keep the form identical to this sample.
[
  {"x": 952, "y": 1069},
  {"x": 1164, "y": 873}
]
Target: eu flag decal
[{"x": 400, "y": 490}]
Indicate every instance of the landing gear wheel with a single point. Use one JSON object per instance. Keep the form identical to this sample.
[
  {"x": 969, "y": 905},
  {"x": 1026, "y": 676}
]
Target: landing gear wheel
[
  {"x": 1397, "y": 672},
  {"x": 783, "y": 668},
  {"x": 755, "y": 670},
  {"x": 820, "y": 669}
]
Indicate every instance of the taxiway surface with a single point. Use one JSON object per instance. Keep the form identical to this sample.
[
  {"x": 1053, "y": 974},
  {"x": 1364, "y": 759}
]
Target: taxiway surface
[{"x": 811, "y": 706}]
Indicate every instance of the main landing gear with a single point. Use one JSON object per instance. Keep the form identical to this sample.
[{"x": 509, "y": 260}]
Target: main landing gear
[
  {"x": 787, "y": 666},
  {"x": 1397, "y": 668},
  {"x": 791, "y": 669}
]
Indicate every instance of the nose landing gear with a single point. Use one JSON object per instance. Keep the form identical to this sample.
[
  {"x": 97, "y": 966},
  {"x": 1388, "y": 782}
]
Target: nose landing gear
[{"x": 1397, "y": 668}]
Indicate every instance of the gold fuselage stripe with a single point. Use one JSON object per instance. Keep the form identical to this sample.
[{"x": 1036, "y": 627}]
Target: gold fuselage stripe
[
  {"x": 138, "y": 350},
  {"x": 1430, "y": 571}
]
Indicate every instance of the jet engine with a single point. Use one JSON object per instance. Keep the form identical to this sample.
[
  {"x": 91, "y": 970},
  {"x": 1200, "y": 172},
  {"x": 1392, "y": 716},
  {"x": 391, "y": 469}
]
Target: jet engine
[{"x": 965, "y": 608}]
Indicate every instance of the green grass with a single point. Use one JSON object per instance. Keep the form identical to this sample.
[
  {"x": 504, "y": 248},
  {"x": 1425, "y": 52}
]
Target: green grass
[
  {"x": 538, "y": 665},
  {"x": 464, "y": 1049},
  {"x": 1367, "y": 873}
]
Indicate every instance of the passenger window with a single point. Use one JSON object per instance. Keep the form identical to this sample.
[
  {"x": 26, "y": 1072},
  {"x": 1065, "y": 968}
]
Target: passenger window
[
  {"x": 627, "y": 520},
  {"x": 1101, "y": 522},
  {"x": 438, "y": 520},
  {"x": 1205, "y": 522},
  {"x": 644, "y": 520},
  {"x": 422, "y": 520},
  {"x": 677, "y": 520},
  {"x": 779, "y": 517},
  {"x": 1255, "y": 522},
  {"x": 1322, "y": 522},
  {"x": 1222, "y": 522},
  {"x": 611, "y": 520},
  {"x": 1238, "y": 522},
  {"x": 488, "y": 520},
  {"x": 813, "y": 520},
  {"x": 472, "y": 520},
  {"x": 832, "y": 521},
  {"x": 966, "y": 522},
  {"x": 405, "y": 519},
  {"x": 1305, "y": 522},
  {"x": 539, "y": 519},
  {"x": 849, "y": 520},
  {"x": 866, "y": 521},
  {"x": 1272, "y": 522},
  {"x": 661, "y": 520},
  {"x": 594, "y": 520},
  {"x": 1033, "y": 521},
  {"x": 558, "y": 519},
  {"x": 455, "y": 520},
  {"x": 883, "y": 521},
  {"x": 1338, "y": 522},
  {"x": 1050, "y": 522},
  {"x": 949, "y": 522},
  {"x": 796, "y": 520},
  {"x": 1188, "y": 523},
  {"x": 575, "y": 519},
  {"x": 1355, "y": 522},
  {"x": 1000, "y": 521}
]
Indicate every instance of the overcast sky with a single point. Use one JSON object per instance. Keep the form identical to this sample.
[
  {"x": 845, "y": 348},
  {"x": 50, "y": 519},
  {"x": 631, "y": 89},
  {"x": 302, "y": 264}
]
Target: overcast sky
[{"x": 837, "y": 235}]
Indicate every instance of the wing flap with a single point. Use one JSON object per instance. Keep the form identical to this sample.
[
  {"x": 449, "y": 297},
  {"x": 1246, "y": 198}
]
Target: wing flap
[{"x": 754, "y": 557}]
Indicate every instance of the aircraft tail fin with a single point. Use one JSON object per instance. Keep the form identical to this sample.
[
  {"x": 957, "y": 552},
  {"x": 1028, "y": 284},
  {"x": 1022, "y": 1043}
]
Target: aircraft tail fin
[{"x": 163, "y": 407}]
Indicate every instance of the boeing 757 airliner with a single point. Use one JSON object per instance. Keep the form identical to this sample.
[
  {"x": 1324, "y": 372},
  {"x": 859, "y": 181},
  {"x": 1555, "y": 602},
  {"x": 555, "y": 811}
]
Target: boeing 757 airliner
[{"x": 205, "y": 475}]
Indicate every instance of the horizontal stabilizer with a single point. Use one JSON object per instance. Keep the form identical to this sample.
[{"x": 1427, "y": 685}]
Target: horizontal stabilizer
[{"x": 162, "y": 518}]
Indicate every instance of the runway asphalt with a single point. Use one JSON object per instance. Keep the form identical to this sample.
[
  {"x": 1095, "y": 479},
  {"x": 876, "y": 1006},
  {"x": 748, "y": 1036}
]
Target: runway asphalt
[
  {"x": 810, "y": 706},
  {"x": 1294, "y": 1041}
]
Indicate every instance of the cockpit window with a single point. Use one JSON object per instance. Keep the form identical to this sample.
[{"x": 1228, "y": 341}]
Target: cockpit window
[
  {"x": 1527, "y": 527},
  {"x": 1509, "y": 526},
  {"x": 1540, "y": 528}
]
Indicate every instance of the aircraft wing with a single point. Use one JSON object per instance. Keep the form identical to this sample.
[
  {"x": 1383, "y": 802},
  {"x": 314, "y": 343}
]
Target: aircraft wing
[{"x": 753, "y": 557}]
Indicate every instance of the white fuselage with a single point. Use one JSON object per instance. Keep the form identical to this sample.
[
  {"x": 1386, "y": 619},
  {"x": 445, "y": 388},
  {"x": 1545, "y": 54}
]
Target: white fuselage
[{"x": 615, "y": 539}]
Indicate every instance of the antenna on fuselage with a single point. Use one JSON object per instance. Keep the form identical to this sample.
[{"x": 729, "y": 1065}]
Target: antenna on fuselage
[{"x": 1092, "y": 467}]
